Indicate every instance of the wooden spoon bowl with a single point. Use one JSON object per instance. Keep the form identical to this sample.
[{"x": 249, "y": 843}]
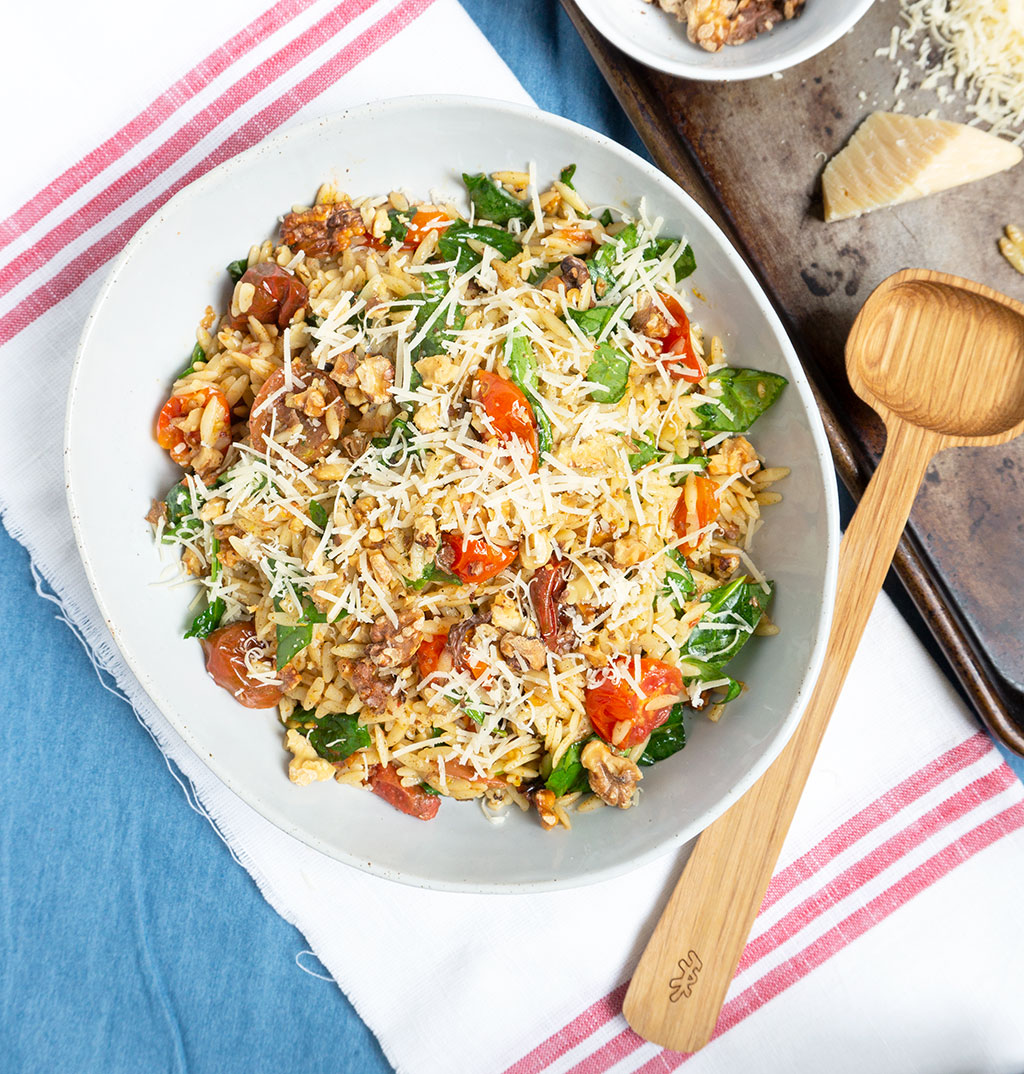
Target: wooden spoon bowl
[
  {"x": 941, "y": 359},
  {"x": 978, "y": 339}
]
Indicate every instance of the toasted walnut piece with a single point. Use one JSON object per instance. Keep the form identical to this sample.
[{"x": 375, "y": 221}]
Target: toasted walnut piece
[
  {"x": 629, "y": 550},
  {"x": 373, "y": 691},
  {"x": 393, "y": 645},
  {"x": 724, "y": 564},
  {"x": 544, "y": 802},
  {"x": 574, "y": 272},
  {"x": 612, "y": 778},
  {"x": 735, "y": 455},
  {"x": 375, "y": 375},
  {"x": 381, "y": 569},
  {"x": 306, "y": 766},
  {"x": 649, "y": 321},
  {"x": 322, "y": 231},
  {"x": 344, "y": 371},
  {"x": 157, "y": 512},
  {"x": 522, "y": 653}
]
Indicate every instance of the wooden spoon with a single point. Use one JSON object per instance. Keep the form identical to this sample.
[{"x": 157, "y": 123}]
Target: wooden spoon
[{"x": 941, "y": 360}]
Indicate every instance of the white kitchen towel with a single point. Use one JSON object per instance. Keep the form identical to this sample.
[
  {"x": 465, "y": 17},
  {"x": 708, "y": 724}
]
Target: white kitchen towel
[{"x": 891, "y": 938}]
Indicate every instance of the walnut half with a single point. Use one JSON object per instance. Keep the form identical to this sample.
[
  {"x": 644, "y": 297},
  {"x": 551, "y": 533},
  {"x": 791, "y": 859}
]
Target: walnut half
[{"x": 612, "y": 778}]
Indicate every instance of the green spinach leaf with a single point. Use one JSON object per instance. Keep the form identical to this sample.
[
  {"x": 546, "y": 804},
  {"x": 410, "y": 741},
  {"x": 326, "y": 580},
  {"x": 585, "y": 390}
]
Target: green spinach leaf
[
  {"x": 181, "y": 523},
  {"x": 602, "y": 264},
  {"x": 647, "y": 451},
  {"x": 606, "y": 218},
  {"x": 291, "y": 640},
  {"x": 569, "y": 774},
  {"x": 610, "y": 369},
  {"x": 494, "y": 204},
  {"x": 318, "y": 514},
  {"x": 336, "y": 735},
  {"x": 667, "y": 739},
  {"x": 702, "y": 672},
  {"x": 566, "y": 174},
  {"x": 197, "y": 355},
  {"x": 236, "y": 270},
  {"x": 454, "y": 244},
  {"x": 207, "y": 621},
  {"x": 679, "y": 584},
  {"x": 427, "y": 789},
  {"x": 592, "y": 322},
  {"x": 745, "y": 395},
  {"x": 432, "y": 573},
  {"x": 521, "y": 360},
  {"x": 396, "y": 442},
  {"x": 735, "y": 610},
  {"x": 685, "y": 264}
]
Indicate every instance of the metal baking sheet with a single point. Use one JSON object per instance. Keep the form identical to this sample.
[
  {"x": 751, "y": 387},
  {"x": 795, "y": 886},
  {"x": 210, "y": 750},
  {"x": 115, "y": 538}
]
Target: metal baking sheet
[{"x": 752, "y": 154}]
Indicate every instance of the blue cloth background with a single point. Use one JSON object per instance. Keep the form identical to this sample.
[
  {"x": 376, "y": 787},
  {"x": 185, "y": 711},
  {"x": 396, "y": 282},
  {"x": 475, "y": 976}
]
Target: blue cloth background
[{"x": 130, "y": 940}]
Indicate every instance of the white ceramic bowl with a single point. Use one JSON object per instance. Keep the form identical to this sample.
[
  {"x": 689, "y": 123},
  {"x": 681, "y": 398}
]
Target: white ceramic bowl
[
  {"x": 137, "y": 336},
  {"x": 659, "y": 40}
]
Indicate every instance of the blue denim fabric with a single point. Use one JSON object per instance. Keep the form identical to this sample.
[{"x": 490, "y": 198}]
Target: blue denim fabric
[{"x": 130, "y": 940}]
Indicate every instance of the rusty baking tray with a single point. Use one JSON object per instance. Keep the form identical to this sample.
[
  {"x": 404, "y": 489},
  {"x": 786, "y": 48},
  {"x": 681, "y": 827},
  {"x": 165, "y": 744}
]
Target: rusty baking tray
[{"x": 752, "y": 153}]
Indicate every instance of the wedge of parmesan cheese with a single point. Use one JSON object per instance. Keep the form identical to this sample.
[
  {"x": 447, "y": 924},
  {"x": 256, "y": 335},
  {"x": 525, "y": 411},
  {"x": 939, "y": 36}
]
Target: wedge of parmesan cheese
[{"x": 895, "y": 158}]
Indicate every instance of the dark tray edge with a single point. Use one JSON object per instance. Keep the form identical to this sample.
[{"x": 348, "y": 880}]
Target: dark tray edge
[{"x": 967, "y": 660}]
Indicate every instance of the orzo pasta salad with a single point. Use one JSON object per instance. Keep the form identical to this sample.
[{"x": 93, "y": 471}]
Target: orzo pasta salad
[{"x": 469, "y": 496}]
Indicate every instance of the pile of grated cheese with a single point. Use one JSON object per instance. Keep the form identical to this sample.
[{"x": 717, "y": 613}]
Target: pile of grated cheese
[{"x": 969, "y": 50}]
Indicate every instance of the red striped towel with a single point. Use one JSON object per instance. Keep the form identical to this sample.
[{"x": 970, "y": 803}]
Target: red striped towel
[{"x": 891, "y": 937}]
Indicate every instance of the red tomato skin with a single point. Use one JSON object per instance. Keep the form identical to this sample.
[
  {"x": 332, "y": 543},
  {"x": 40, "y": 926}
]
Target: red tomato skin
[
  {"x": 225, "y": 651},
  {"x": 179, "y": 443},
  {"x": 278, "y": 294},
  {"x": 677, "y": 353},
  {"x": 428, "y": 655},
  {"x": 508, "y": 411},
  {"x": 422, "y": 224},
  {"x": 475, "y": 560},
  {"x": 609, "y": 701},
  {"x": 413, "y": 801},
  {"x": 707, "y": 510}
]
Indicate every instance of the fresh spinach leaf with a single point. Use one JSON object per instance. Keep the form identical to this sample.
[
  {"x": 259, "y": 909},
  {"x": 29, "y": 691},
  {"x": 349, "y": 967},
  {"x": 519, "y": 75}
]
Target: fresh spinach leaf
[
  {"x": 207, "y": 621},
  {"x": 398, "y": 225},
  {"x": 679, "y": 584},
  {"x": 592, "y": 322},
  {"x": 538, "y": 275},
  {"x": 454, "y": 244},
  {"x": 493, "y": 203},
  {"x": 745, "y": 395},
  {"x": 432, "y": 573},
  {"x": 610, "y": 369},
  {"x": 647, "y": 451},
  {"x": 667, "y": 739},
  {"x": 314, "y": 320},
  {"x": 735, "y": 610},
  {"x": 236, "y": 270},
  {"x": 685, "y": 264},
  {"x": 197, "y": 355},
  {"x": 336, "y": 735},
  {"x": 703, "y": 672},
  {"x": 291, "y": 640},
  {"x": 566, "y": 174},
  {"x": 606, "y": 218},
  {"x": 318, "y": 514},
  {"x": 426, "y": 302},
  {"x": 569, "y": 774},
  {"x": 395, "y": 446},
  {"x": 181, "y": 523},
  {"x": 427, "y": 789},
  {"x": 602, "y": 264},
  {"x": 521, "y": 360}
]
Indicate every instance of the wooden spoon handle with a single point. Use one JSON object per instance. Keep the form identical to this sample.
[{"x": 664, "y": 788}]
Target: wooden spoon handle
[{"x": 680, "y": 983}]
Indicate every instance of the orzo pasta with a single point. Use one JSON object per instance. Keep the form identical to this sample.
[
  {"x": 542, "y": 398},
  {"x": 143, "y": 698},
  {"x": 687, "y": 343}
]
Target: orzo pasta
[{"x": 469, "y": 496}]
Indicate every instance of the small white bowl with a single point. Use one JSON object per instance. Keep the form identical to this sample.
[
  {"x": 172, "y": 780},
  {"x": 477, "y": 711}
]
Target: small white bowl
[
  {"x": 659, "y": 40},
  {"x": 141, "y": 330}
]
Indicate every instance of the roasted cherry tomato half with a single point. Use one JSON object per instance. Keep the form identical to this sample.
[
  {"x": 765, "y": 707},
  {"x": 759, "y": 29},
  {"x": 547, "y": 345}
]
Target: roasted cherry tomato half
[
  {"x": 508, "y": 412},
  {"x": 612, "y": 700},
  {"x": 428, "y": 655},
  {"x": 226, "y": 650},
  {"x": 277, "y": 295},
  {"x": 414, "y": 801},
  {"x": 182, "y": 442},
  {"x": 546, "y": 589},
  {"x": 423, "y": 222},
  {"x": 315, "y": 440},
  {"x": 475, "y": 560},
  {"x": 696, "y": 508},
  {"x": 677, "y": 353}
]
